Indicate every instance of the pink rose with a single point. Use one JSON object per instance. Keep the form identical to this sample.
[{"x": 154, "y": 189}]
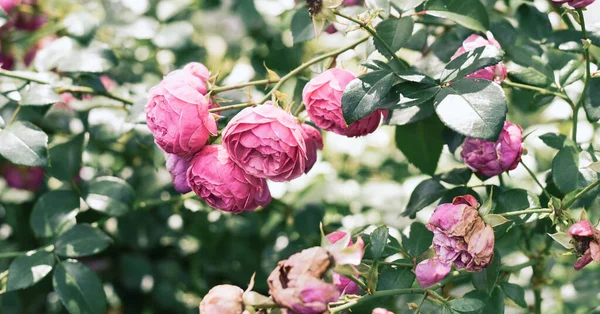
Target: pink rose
[
  {"x": 178, "y": 167},
  {"x": 574, "y": 3},
  {"x": 313, "y": 141},
  {"x": 30, "y": 21},
  {"x": 8, "y": 5},
  {"x": 587, "y": 243},
  {"x": 460, "y": 236},
  {"x": 177, "y": 113},
  {"x": 431, "y": 271},
  {"x": 493, "y": 158},
  {"x": 323, "y": 99},
  {"x": 267, "y": 142},
  {"x": 223, "y": 184},
  {"x": 223, "y": 299},
  {"x": 496, "y": 73},
  {"x": 21, "y": 177},
  {"x": 381, "y": 310},
  {"x": 7, "y": 62},
  {"x": 296, "y": 282},
  {"x": 345, "y": 285}
]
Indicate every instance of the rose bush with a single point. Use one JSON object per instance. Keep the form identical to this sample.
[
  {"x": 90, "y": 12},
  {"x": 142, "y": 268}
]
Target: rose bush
[{"x": 312, "y": 157}]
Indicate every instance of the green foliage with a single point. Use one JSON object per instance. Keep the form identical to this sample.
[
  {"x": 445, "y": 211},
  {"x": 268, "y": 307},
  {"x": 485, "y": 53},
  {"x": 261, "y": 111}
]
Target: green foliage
[{"x": 24, "y": 144}]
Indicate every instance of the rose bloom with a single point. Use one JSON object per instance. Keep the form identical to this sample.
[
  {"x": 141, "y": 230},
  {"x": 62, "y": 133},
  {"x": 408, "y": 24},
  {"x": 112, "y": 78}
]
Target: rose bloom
[
  {"x": 223, "y": 299},
  {"x": 8, "y": 5},
  {"x": 380, "y": 310},
  {"x": 587, "y": 243},
  {"x": 223, "y": 184},
  {"x": 21, "y": 177},
  {"x": 314, "y": 141},
  {"x": 267, "y": 142},
  {"x": 493, "y": 158},
  {"x": 460, "y": 236},
  {"x": 177, "y": 112},
  {"x": 496, "y": 73},
  {"x": 574, "y": 3},
  {"x": 323, "y": 99},
  {"x": 296, "y": 282},
  {"x": 344, "y": 284},
  {"x": 178, "y": 167}
]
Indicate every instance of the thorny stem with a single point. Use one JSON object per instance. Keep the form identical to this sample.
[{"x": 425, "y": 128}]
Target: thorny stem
[
  {"x": 236, "y": 106},
  {"x": 534, "y": 88},
  {"x": 217, "y": 89},
  {"x": 572, "y": 201},
  {"x": 534, "y": 177},
  {"x": 158, "y": 202},
  {"x": 527, "y": 211}
]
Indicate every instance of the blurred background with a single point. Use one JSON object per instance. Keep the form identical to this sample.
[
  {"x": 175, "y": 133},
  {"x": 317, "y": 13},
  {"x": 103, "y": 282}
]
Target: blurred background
[{"x": 165, "y": 258}]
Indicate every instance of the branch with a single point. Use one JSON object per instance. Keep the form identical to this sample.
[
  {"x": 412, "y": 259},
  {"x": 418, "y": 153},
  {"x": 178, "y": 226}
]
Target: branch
[
  {"x": 580, "y": 194},
  {"x": 217, "y": 89},
  {"x": 534, "y": 88}
]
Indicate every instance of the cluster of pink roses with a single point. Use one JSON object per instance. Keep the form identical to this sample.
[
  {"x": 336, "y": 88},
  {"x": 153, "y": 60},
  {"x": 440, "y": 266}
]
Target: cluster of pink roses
[
  {"x": 460, "y": 236},
  {"x": 25, "y": 20},
  {"x": 297, "y": 284},
  {"x": 259, "y": 143}
]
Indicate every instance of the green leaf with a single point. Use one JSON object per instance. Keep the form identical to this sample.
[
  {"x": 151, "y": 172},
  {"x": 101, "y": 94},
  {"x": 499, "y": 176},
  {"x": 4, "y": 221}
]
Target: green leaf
[
  {"x": 562, "y": 239},
  {"x": 110, "y": 195},
  {"x": 457, "y": 176},
  {"x": 529, "y": 68},
  {"x": 378, "y": 240},
  {"x": 39, "y": 95},
  {"x": 591, "y": 102},
  {"x": 78, "y": 288},
  {"x": 422, "y": 143},
  {"x": 92, "y": 59},
  {"x": 475, "y": 108},
  {"x": 485, "y": 280},
  {"x": 27, "y": 270},
  {"x": 81, "y": 240},
  {"x": 406, "y": 5},
  {"x": 595, "y": 166},
  {"x": 81, "y": 25},
  {"x": 495, "y": 220},
  {"x": 418, "y": 241},
  {"x": 533, "y": 23},
  {"x": 24, "y": 144},
  {"x": 394, "y": 278},
  {"x": 424, "y": 194},
  {"x": 302, "y": 26},
  {"x": 414, "y": 94},
  {"x": 515, "y": 293},
  {"x": 470, "y": 62},
  {"x": 468, "y": 13},
  {"x": 65, "y": 158},
  {"x": 494, "y": 302},
  {"x": 364, "y": 94},
  {"x": 556, "y": 141},
  {"x": 411, "y": 114},
  {"x": 569, "y": 169},
  {"x": 395, "y": 33},
  {"x": 465, "y": 305},
  {"x": 54, "y": 212},
  {"x": 516, "y": 199},
  {"x": 3, "y": 17}
]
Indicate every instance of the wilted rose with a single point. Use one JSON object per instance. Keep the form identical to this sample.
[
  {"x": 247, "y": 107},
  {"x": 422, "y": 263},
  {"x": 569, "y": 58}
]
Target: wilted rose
[
  {"x": 178, "y": 167},
  {"x": 223, "y": 184},
  {"x": 314, "y": 142},
  {"x": 496, "y": 73},
  {"x": 574, "y": 3},
  {"x": 344, "y": 284},
  {"x": 223, "y": 299},
  {"x": 296, "y": 282},
  {"x": 460, "y": 236},
  {"x": 267, "y": 142},
  {"x": 493, "y": 158},
  {"x": 587, "y": 243},
  {"x": 323, "y": 99},
  {"x": 177, "y": 113}
]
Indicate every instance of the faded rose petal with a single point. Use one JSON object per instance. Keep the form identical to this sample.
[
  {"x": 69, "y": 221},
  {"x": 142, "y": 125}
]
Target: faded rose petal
[
  {"x": 583, "y": 261},
  {"x": 493, "y": 158},
  {"x": 345, "y": 285},
  {"x": 223, "y": 299},
  {"x": 215, "y": 178},
  {"x": 587, "y": 243},
  {"x": 583, "y": 229},
  {"x": 574, "y": 3},
  {"x": 323, "y": 99},
  {"x": 267, "y": 142},
  {"x": 431, "y": 271},
  {"x": 178, "y": 167},
  {"x": 481, "y": 248},
  {"x": 313, "y": 141}
]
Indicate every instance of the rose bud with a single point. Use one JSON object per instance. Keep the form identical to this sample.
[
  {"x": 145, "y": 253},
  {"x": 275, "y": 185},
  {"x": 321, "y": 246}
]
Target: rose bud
[
  {"x": 380, "y": 310},
  {"x": 493, "y": 158},
  {"x": 344, "y": 284},
  {"x": 578, "y": 4},
  {"x": 267, "y": 142},
  {"x": 587, "y": 243},
  {"x": 223, "y": 299},
  {"x": 21, "y": 177},
  {"x": 323, "y": 99},
  {"x": 496, "y": 73},
  {"x": 177, "y": 114},
  {"x": 431, "y": 271},
  {"x": 460, "y": 235},
  {"x": 178, "y": 167},
  {"x": 223, "y": 184},
  {"x": 296, "y": 282},
  {"x": 314, "y": 141}
]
